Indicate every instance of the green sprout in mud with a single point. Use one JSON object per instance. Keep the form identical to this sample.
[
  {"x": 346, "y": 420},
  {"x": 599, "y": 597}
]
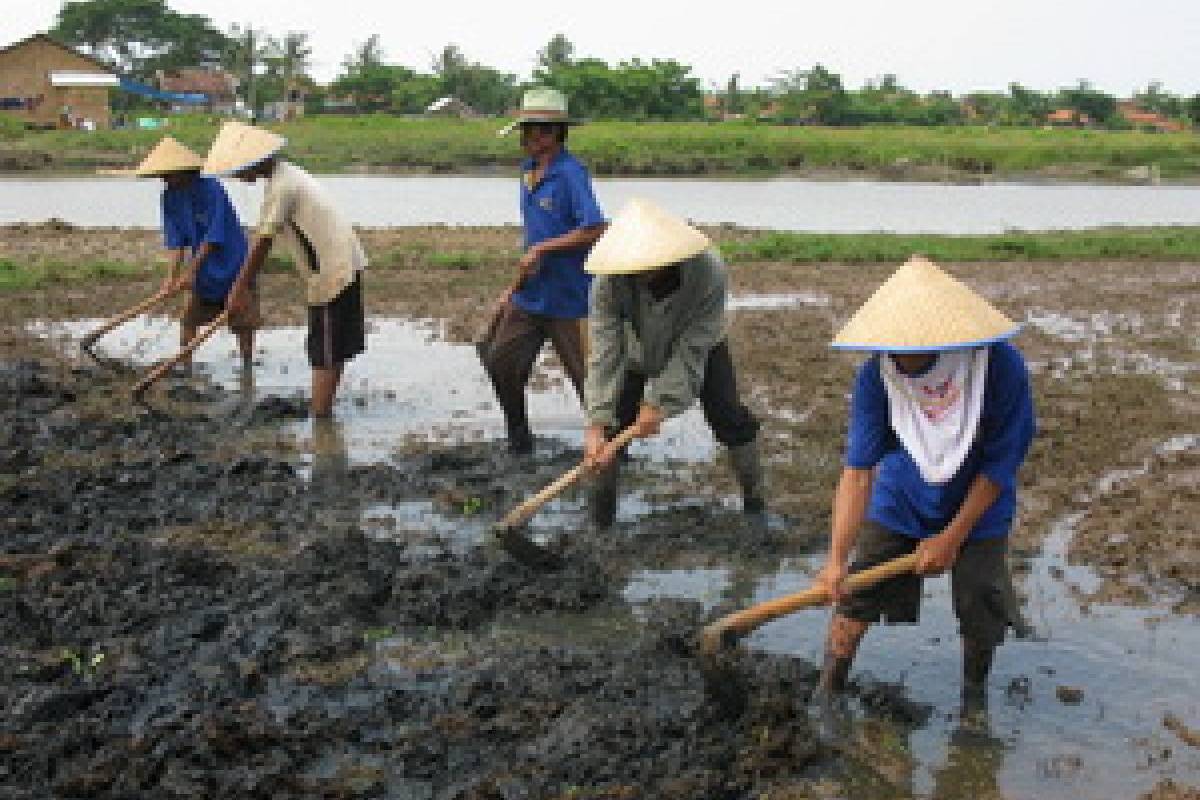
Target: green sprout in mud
[
  {"x": 371, "y": 635},
  {"x": 472, "y": 506},
  {"x": 78, "y": 665}
]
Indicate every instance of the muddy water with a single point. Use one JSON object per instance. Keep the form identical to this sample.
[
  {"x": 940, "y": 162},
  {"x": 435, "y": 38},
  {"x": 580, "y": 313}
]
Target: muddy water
[
  {"x": 828, "y": 206},
  {"x": 1131, "y": 665}
]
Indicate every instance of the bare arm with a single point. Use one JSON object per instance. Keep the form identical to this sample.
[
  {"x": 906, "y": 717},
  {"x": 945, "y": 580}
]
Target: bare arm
[
  {"x": 174, "y": 259},
  {"x": 257, "y": 256},
  {"x": 938, "y": 553},
  {"x": 571, "y": 240},
  {"x": 187, "y": 277},
  {"x": 849, "y": 509}
]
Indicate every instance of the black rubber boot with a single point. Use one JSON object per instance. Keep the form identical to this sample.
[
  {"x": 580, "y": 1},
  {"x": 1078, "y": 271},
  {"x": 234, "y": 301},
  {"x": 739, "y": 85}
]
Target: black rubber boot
[
  {"x": 833, "y": 713},
  {"x": 977, "y": 664},
  {"x": 520, "y": 440},
  {"x": 747, "y": 468},
  {"x": 602, "y": 497}
]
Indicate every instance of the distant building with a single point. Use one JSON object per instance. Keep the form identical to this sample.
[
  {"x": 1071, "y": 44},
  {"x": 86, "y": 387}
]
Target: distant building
[
  {"x": 450, "y": 107},
  {"x": 218, "y": 86},
  {"x": 1068, "y": 117},
  {"x": 1148, "y": 120},
  {"x": 47, "y": 84}
]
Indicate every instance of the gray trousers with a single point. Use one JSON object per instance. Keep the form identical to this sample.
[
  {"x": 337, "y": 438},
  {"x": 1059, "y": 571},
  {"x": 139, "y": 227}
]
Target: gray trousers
[{"x": 509, "y": 354}]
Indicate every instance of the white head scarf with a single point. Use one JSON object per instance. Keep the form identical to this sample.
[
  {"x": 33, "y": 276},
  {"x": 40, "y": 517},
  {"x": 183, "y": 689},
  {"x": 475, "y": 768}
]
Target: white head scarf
[{"x": 936, "y": 414}]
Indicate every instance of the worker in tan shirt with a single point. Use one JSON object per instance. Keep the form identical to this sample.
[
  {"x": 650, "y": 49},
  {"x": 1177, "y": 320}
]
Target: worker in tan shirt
[{"x": 327, "y": 251}]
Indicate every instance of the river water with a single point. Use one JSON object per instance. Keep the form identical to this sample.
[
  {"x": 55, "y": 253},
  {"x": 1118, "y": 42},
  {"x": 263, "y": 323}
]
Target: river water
[{"x": 781, "y": 204}]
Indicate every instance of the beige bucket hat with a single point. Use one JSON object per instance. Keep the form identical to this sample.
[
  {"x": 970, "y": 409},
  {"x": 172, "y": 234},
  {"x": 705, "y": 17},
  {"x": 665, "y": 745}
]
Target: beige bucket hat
[
  {"x": 921, "y": 308},
  {"x": 168, "y": 156},
  {"x": 239, "y": 146},
  {"x": 644, "y": 237},
  {"x": 540, "y": 105}
]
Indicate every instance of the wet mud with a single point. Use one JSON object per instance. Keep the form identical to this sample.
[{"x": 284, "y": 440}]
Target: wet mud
[
  {"x": 192, "y": 606},
  {"x": 199, "y": 625}
]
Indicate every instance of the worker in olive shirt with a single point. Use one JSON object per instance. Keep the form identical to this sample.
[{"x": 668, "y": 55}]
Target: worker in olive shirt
[
  {"x": 941, "y": 418},
  {"x": 328, "y": 253},
  {"x": 550, "y": 299},
  {"x": 205, "y": 240},
  {"x": 658, "y": 343}
]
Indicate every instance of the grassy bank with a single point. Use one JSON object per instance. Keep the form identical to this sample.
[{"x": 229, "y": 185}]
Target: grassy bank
[
  {"x": 15, "y": 277},
  {"x": 1104, "y": 244},
  {"x": 468, "y": 250},
  {"x": 619, "y": 148}
]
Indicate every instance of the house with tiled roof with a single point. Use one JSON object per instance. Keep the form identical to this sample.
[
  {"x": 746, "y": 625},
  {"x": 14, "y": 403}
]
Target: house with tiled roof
[{"x": 217, "y": 85}]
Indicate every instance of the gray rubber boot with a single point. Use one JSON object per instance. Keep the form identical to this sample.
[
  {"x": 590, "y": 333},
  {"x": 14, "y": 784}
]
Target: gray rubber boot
[
  {"x": 747, "y": 468},
  {"x": 602, "y": 497}
]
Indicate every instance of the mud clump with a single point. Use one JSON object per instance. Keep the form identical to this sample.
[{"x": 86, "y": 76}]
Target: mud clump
[{"x": 208, "y": 625}]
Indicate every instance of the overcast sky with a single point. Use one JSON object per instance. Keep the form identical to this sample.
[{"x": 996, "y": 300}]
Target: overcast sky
[{"x": 1120, "y": 45}]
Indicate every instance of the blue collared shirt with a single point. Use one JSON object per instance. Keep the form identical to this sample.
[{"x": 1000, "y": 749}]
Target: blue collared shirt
[
  {"x": 561, "y": 203},
  {"x": 201, "y": 212},
  {"x": 901, "y": 500}
]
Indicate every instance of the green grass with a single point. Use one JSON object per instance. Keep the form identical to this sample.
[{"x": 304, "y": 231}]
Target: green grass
[
  {"x": 19, "y": 277},
  {"x": 1103, "y": 244},
  {"x": 332, "y": 143},
  {"x": 1181, "y": 244}
]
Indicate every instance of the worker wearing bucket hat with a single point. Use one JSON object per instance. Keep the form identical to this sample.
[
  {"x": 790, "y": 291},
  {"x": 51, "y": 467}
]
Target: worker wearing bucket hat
[
  {"x": 328, "y": 253},
  {"x": 561, "y": 220},
  {"x": 941, "y": 418},
  {"x": 658, "y": 342},
  {"x": 205, "y": 241}
]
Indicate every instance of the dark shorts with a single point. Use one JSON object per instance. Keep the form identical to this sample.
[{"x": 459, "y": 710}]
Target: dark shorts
[
  {"x": 980, "y": 586},
  {"x": 337, "y": 330},
  {"x": 201, "y": 312}
]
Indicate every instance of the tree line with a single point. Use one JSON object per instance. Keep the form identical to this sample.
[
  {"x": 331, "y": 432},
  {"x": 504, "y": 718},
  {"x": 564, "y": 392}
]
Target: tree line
[{"x": 142, "y": 37}]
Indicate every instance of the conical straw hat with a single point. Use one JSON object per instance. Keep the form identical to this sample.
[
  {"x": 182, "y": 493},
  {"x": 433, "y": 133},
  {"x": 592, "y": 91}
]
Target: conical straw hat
[
  {"x": 167, "y": 156},
  {"x": 921, "y": 309},
  {"x": 239, "y": 146},
  {"x": 644, "y": 237}
]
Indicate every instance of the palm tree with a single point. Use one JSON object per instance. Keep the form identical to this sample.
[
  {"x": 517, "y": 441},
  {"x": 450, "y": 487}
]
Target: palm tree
[
  {"x": 293, "y": 57},
  {"x": 248, "y": 47}
]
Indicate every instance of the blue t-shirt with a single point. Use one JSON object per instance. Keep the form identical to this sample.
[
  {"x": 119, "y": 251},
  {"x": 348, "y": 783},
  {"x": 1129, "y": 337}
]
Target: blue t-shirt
[
  {"x": 901, "y": 500},
  {"x": 561, "y": 203},
  {"x": 201, "y": 212}
]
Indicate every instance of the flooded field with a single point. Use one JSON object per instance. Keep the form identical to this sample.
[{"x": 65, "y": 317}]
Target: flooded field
[{"x": 223, "y": 599}]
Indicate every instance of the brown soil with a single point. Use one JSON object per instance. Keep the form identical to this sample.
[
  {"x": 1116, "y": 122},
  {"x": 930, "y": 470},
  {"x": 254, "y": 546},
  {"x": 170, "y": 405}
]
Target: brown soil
[
  {"x": 1170, "y": 790},
  {"x": 1115, "y": 377}
]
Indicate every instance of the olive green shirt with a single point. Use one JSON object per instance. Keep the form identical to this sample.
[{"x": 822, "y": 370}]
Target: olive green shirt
[{"x": 666, "y": 340}]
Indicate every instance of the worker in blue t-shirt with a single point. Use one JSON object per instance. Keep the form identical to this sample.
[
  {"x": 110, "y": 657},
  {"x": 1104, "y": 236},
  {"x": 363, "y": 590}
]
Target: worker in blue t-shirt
[
  {"x": 204, "y": 240},
  {"x": 562, "y": 220},
  {"x": 941, "y": 418}
]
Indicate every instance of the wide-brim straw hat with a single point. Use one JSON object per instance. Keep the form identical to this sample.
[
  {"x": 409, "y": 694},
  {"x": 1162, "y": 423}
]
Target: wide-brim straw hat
[
  {"x": 239, "y": 146},
  {"x": 921, "y": 308},
  {"x": 540, "y": 105},
  {"x": 641, "y": 238},
  {"x": 168, "y": 156}
]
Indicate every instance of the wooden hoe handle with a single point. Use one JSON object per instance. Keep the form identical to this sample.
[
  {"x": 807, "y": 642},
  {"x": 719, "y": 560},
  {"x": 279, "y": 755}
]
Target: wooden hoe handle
[
  {"x": 522, "y": 513},
  {"x": 742, "y": 622},
  {"x": 123, "y": 317},
  {"x": 187, "y": 350}
]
